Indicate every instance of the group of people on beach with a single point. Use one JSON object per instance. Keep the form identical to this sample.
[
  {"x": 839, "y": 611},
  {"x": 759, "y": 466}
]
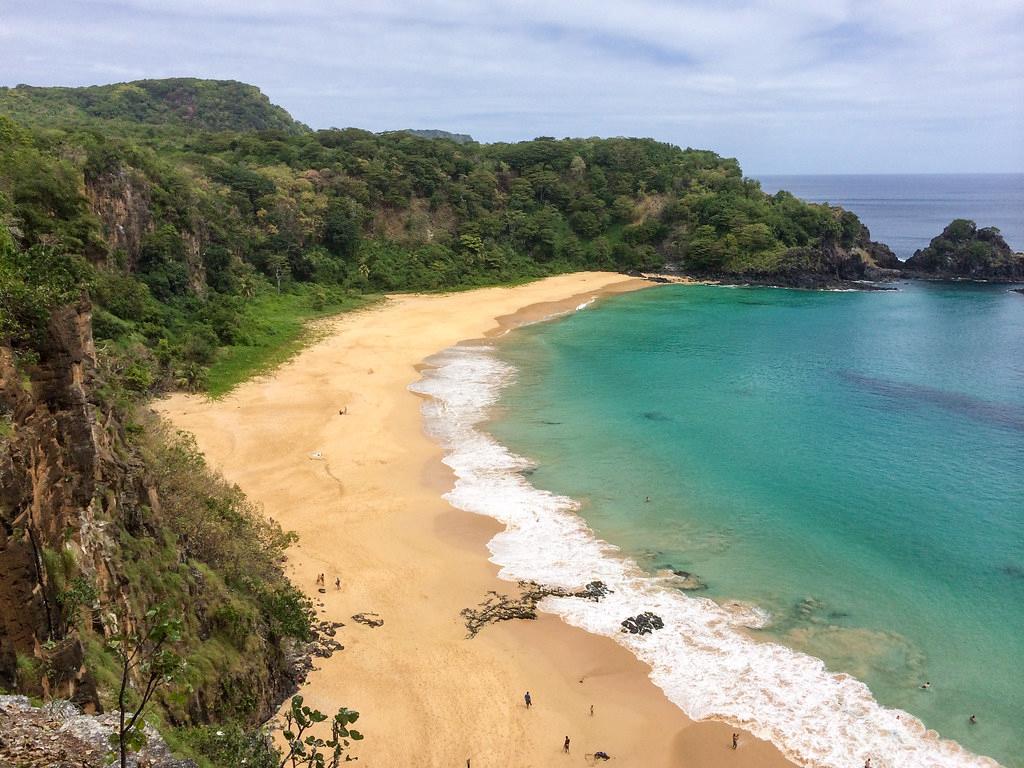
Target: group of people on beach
[
  {"x": 599, "y": 755},
  {"x": 320, "y": 581}
]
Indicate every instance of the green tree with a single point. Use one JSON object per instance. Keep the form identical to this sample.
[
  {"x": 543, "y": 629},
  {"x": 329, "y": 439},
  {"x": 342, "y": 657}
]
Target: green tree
[
  {"x": 305, "y": 749},
  {"x": 146, "y": 652}
]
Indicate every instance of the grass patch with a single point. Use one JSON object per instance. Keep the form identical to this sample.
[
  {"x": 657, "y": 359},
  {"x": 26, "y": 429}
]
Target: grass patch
[
  {"x": 6, "y": 426},
  {"x": 276, "y": 327}
]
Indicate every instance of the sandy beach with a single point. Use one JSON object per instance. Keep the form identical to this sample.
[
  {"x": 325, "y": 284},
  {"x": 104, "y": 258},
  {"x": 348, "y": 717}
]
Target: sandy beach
[{"x": 363, "y": 492}]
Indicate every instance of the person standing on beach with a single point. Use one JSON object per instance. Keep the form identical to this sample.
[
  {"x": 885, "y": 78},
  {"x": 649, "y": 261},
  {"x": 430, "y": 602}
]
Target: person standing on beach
[
  {"x": 528, "y": 699},
  {"x": 735, "y": 740},
  {"x": 565, "y": 746}
]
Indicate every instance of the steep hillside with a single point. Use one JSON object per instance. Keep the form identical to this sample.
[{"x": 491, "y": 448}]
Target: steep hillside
[{"x": 105, "y": 516}]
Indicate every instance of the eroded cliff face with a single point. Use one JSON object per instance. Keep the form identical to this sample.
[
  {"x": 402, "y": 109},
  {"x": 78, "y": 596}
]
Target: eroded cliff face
[
  {"x": 82, "y": 540},
  {"x": 52, "y": 469},
  {"x": 120, "y": 198}
]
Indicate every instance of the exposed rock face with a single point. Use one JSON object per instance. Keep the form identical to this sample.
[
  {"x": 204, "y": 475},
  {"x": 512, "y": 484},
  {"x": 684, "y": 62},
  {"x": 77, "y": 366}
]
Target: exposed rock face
[
  {"x": 963, "y": 251},
  {"x": 878, "y": 258},
  {"x": 120, "y": 199},
  {"x": 74, "y": 492},
  {"x": 194, "y": 242},
  {"x": 50, "y": 471}
]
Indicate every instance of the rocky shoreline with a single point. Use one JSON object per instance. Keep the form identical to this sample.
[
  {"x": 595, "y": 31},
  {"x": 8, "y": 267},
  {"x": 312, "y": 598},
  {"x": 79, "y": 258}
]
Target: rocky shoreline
[{"x": 962, "y": 253}]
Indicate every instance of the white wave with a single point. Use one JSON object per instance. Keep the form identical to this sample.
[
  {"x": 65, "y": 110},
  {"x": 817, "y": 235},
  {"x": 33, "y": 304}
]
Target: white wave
[{"x": 701, "y": 659}]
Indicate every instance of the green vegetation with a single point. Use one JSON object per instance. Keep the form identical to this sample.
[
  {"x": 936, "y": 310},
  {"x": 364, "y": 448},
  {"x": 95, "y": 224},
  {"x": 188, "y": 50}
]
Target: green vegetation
[
  {"x": 212, "y": 105},
  {"x": 965, "y": 251},
  {"x": 146, "y": 651},
  {"x": 204, "y": 222},
  {"x": 233, "y": 746},
  {"x": 276, "y": 327},
  {"x": 305, "y": 748}
]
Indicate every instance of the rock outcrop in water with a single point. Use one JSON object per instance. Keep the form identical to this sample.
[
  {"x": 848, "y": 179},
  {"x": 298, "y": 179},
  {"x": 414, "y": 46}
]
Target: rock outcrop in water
[
  {"x": 642, "y": 624},
  {"x": 965, "y": 252}
]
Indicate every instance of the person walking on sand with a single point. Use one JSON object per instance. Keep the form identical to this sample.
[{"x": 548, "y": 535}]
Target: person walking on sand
[
  {"x": 337, "y": 582},
  {"x": 528, "y": 699},
  {"x": 320, "y": 579},
  {"x": 565, "y": 746},
  {"x": 867, "y": 763},
  {"x": 735, "y": 740},
  {"x": 591, "y": 710}
]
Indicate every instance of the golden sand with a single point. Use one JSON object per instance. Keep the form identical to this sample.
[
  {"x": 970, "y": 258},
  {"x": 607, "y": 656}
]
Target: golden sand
[{"x": 368, "y": 510}]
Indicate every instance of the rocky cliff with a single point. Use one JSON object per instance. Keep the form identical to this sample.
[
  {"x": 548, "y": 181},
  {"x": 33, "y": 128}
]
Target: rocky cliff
[
  {"x": 832, "y": 263},
  {"x": 97, "y": 521},
  {"x": 965, "y": 252},
  {"x": 121, "y": 198},
  {"x": 52, "y": 468}
]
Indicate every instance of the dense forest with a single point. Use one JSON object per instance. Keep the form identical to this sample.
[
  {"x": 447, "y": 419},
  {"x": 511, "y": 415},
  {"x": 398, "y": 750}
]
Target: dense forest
[{"x": 184, "y": 207}]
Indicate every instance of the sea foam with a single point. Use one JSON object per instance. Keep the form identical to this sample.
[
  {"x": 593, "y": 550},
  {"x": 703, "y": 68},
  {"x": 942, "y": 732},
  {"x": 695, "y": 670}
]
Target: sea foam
[{"x": 702, "y": 659}]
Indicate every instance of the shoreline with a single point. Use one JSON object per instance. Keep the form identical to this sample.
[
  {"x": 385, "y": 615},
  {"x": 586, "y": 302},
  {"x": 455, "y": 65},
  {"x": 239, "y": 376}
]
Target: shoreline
[{"x": 369, "y": 511}]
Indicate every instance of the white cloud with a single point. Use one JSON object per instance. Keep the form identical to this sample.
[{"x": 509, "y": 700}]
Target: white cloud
[{"x": 816, "y": 84}]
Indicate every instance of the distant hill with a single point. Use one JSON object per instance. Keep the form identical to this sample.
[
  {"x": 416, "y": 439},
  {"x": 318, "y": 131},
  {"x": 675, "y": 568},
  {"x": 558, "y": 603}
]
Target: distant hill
[
  {"x": 208, "y": 105},
  {"x": 431, "y": 133}
]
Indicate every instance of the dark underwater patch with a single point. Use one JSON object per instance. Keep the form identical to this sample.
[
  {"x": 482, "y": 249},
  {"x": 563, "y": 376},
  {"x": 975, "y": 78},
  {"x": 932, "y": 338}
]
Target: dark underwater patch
[{"x": 998, "y": 414}]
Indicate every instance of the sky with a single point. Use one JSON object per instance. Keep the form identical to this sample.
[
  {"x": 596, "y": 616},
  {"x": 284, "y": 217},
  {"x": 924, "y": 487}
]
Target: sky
[{"x": 808, "y": 86}]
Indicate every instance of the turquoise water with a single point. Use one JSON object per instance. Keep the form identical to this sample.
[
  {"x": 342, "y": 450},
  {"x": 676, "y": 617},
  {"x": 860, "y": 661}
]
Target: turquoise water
[{"x": 851, "y": 462}]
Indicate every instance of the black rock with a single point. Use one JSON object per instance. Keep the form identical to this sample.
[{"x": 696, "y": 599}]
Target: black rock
[{"x": 642, "y": 624}]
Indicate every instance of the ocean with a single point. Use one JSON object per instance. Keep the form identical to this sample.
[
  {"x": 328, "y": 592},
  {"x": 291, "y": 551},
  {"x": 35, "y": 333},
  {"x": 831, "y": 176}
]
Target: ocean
[
  {"x": 907, "y": 211},
  {"x": 840, "y": 473}
]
